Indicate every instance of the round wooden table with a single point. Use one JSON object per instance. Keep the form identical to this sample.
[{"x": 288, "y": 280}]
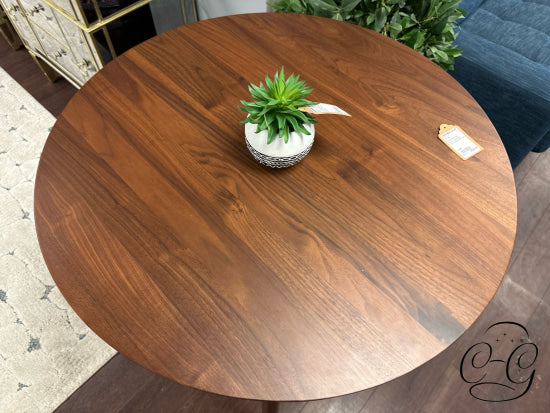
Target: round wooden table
[{"x": 345, "y": 271}]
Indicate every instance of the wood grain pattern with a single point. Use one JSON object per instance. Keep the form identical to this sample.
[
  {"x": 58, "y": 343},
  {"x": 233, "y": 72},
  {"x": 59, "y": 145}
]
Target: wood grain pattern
[{"x": 350, "y": 269}]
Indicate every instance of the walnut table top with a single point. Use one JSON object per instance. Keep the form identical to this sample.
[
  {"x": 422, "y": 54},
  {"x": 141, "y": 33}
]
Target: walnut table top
[{"x": 355, "y": 266}]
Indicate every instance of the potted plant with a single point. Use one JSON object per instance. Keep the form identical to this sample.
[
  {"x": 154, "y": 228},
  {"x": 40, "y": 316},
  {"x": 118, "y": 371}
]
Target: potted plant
[
  {"x": 277, "y": 132},
  {"x": 427, "y": 26}
]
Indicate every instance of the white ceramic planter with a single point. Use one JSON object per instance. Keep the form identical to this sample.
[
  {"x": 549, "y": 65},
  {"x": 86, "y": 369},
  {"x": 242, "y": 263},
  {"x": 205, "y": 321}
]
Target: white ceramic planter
[{"x": 278, "y": 154}]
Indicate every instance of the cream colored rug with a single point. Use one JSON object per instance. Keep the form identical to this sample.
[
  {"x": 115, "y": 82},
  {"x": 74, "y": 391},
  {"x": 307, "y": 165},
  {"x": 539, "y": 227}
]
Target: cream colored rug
[{"x": 46, "y": 351}]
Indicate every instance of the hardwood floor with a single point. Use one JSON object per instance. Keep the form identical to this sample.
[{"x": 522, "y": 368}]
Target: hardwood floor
[{"x": 437, "y": 386}]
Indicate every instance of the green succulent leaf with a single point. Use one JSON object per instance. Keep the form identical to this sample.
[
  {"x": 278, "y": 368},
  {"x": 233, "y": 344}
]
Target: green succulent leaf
[
  {"x": 276, "y": 106},
  {"x": 286, "y": 133},
  {"x": 271, "y": 132}
]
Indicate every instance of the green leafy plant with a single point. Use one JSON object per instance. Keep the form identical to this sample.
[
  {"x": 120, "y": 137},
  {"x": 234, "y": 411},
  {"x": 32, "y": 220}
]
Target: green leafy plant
[
  {"x": 276, "y": 106},
  {"x": 427, "y": 26}
]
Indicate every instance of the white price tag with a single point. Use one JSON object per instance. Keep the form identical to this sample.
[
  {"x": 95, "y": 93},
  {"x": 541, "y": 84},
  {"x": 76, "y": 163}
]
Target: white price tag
[
  {"x": 324, "y": 109},
  {"x": 456, "y": 139}
]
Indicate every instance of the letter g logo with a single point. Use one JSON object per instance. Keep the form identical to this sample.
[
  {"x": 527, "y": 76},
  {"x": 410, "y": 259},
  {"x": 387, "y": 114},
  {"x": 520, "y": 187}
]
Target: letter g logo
[{"x": 501, "y": 368}]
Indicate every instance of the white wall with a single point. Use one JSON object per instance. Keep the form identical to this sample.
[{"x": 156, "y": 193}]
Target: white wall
[{"x": 216, "y": 8}]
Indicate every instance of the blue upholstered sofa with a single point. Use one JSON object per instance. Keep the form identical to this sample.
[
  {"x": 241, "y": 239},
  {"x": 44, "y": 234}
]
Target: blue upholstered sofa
[{"x": 506, "y": 68}]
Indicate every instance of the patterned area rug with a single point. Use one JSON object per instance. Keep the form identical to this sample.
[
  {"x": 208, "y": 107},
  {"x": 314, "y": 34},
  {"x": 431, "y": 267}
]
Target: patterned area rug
[{"x": 46, "y": 351}]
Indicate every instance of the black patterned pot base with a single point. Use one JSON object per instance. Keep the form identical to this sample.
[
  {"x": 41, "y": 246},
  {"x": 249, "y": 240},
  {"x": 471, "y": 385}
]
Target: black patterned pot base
[{"x": 277, "y": 161}]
